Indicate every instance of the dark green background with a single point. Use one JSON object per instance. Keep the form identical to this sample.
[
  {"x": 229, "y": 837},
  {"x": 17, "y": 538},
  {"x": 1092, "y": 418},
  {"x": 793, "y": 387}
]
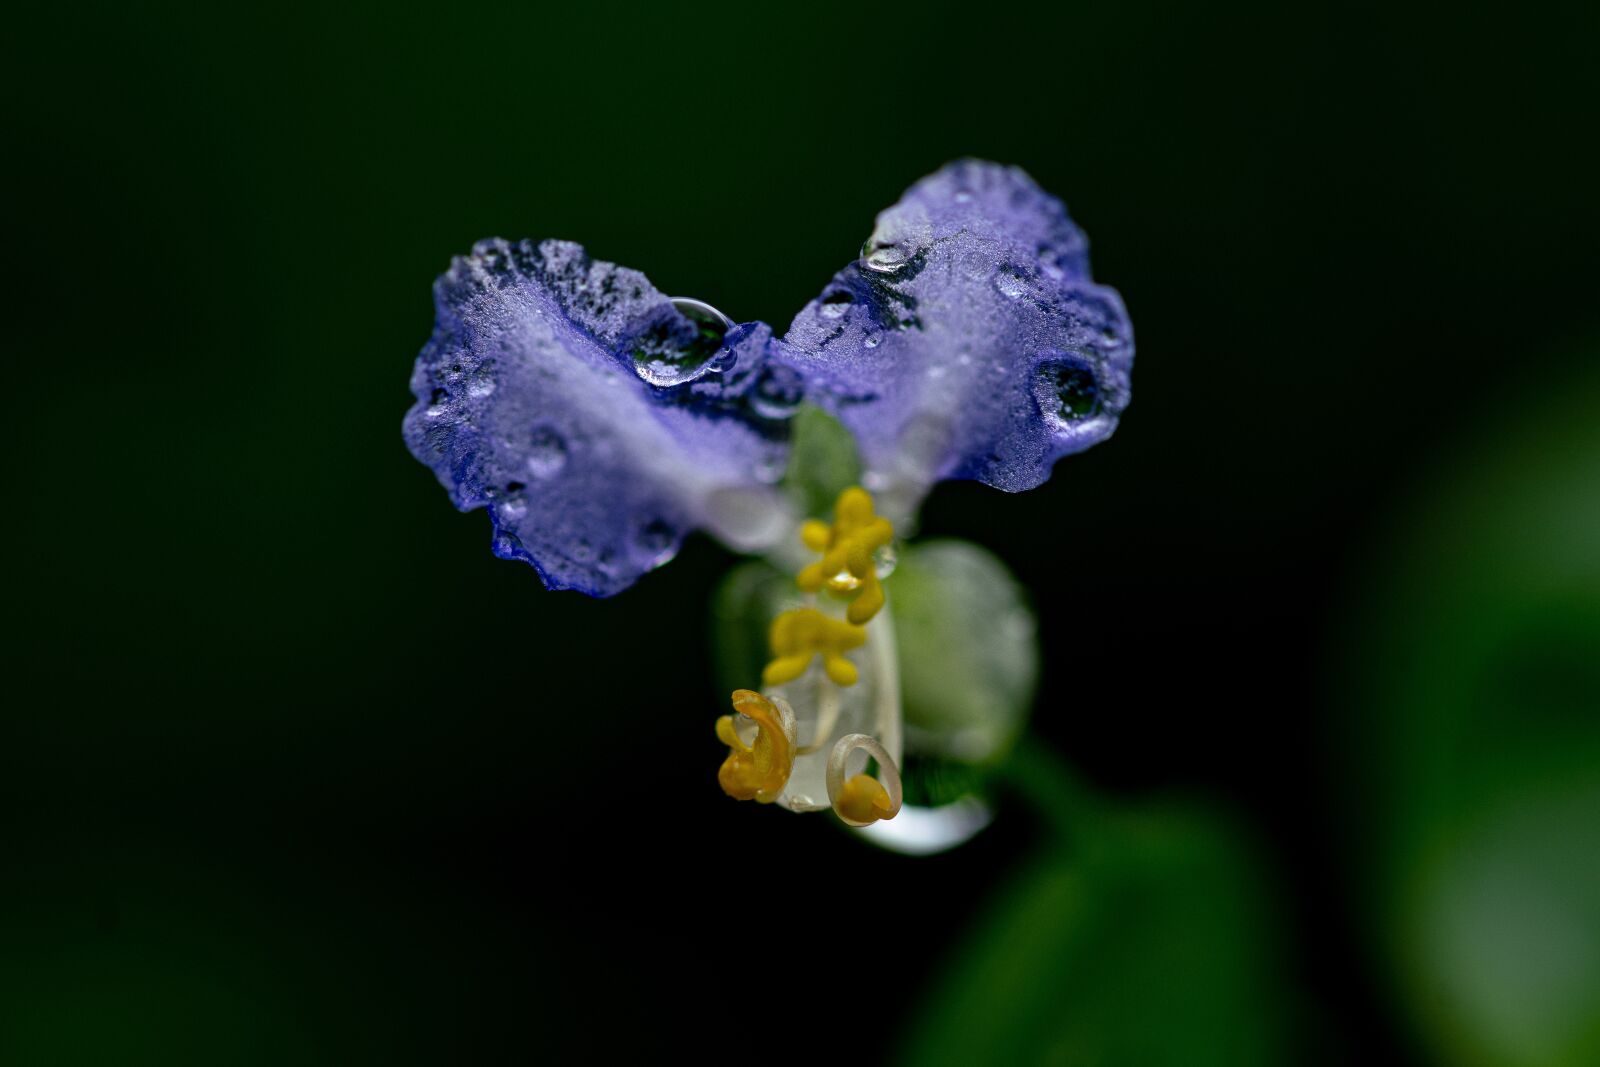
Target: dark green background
[{"x": 295, "y": 771}]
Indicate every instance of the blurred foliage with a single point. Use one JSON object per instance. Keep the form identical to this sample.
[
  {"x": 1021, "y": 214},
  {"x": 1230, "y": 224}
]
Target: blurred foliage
[
  {"x": 1476, "y": 748},
  {"x": 1137, "y": 937}
]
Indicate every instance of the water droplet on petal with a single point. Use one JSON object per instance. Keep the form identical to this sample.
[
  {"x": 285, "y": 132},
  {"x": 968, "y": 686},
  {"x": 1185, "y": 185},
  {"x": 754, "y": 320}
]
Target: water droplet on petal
[
  {"x": 655, "y": 542},
  {"x": 835, "y": 305},
  {"x": 662, "y": 357},
  {"x": 1009, "y": 283},
  {"x": 1050, "y": 263},
  {"x": 547, "y": 452},
  {"x": 777, "y": 393},
  {"x": 506, "y": 545},
  {"x": 769, "y": 468},
  {"x": 1067, "y": 390},
  {"x": 886, "y": 258}
]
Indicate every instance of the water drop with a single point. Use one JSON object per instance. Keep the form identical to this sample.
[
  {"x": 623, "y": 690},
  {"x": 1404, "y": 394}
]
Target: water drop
[
  {"x": 1009, "y": 284},
  {"x": 506, "y": 545},
  {"x": 656, "y": 542},
  {"x": 1050, "y": 263},
  {"x": 777, "y": 393},
  {"x": 963, "y": 196},
  {"x": 873, "y": 340},
  {"x": 886, "y": 258},
  {"x": 663, "y": 357},
  {"x": 547, "y": 452},
  {"x": 1067, "y": 390},
  {"x": 884, "y": 560},
  {"x": 835, "y": 305},
  {"x": 770, "y": 467}
]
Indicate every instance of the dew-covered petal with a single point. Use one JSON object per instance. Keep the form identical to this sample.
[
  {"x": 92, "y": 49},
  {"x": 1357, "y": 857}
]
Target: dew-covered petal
[
  {"x": 968, "y": 341},
  {"x": 596, "y": 422}
]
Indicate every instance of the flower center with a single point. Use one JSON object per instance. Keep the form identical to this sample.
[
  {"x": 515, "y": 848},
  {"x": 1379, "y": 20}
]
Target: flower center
[{"x": 762, "y": 770}]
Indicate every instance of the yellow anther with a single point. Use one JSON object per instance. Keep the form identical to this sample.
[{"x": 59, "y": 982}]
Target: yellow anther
[
  {"x": 760, "y": 771},
  {"x": 847, "y": 568},
  {"x": 863, "y": 800},
  {"x": 803, "y": 633}
]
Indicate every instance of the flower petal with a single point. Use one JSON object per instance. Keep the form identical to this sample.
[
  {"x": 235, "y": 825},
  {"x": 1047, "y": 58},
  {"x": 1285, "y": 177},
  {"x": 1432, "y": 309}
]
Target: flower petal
[
  {"x": 968, "y": 341},
  {"x": 596, "y": 422}
]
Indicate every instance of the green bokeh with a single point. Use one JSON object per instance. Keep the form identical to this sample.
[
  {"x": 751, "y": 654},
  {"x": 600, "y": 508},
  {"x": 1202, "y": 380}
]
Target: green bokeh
[{"x": 1479, "y": 744}]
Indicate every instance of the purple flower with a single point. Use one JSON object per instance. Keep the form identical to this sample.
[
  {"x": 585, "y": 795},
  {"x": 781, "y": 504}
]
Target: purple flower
[
  {"x": 968, "y": 341},
  {"x": 599, "y": 421},
  {"x": 596, "y": 421}
]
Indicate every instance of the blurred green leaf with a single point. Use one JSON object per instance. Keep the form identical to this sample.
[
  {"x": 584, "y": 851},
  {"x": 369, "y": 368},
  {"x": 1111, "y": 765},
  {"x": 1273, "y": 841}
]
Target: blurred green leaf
[
  {"x": 1477, "y": 748},
  {"x": 1148, "y": 942}
]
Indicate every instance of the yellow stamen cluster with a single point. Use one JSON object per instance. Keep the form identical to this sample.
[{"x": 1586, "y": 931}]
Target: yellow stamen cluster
[
  {"x": 759, "y": 771},
  {"x": 800, "y": 634},
  {"x": 847, "y": 568}
]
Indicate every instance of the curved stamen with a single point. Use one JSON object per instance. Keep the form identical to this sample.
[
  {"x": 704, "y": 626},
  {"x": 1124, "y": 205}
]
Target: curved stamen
[
  {"x": 863, "y": 799},
  {"x": 757, "y": 771}
]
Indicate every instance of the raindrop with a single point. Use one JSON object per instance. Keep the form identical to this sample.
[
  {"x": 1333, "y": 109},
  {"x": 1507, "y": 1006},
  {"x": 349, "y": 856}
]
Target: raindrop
[
  {"x": 884, "y": 560},
  {"x": 1009, "y": 283},
  {"x": 835, "y": 305},
  {"x": 777, "y": 393},
  {"x": 884, "y": 258},
  {"x": 1067, "y": 390},
  {"x": 770, "y": 467},
  {"x": 655, "y": 540},
  {"x": 1050, "y": 263},
  {"x": 663, "y": 358},
  {"x": 547, "y": 452}
]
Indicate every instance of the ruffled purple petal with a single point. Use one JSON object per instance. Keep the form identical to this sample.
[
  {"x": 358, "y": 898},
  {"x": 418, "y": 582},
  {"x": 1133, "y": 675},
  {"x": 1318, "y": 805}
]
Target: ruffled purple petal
[
  {"x": 969, "y": 340},
  {"x": 595, "y": 422}
]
